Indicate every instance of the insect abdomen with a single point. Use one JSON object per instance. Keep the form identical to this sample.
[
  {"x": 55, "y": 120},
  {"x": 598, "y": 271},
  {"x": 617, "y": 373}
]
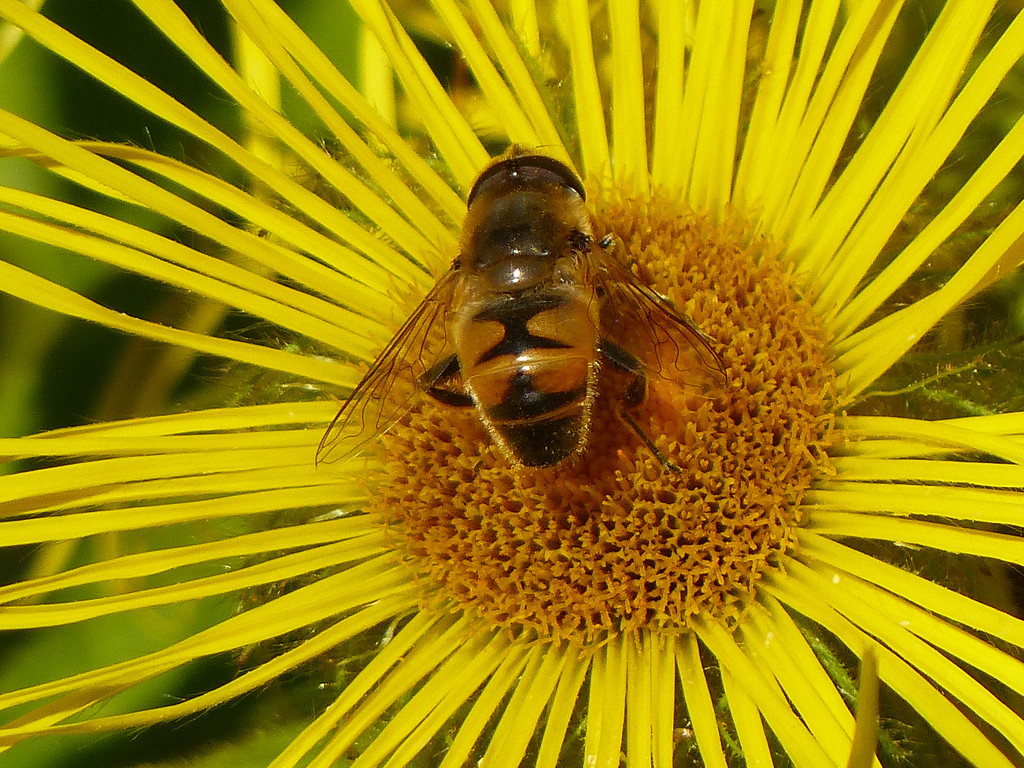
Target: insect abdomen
[
  {"x": 540, "y": 410},
  {"x": 529, "y": 363}
]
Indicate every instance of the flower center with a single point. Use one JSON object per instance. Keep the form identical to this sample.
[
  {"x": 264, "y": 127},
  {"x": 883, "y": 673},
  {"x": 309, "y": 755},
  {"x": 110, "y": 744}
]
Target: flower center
[{"x": 615, "y": 538}]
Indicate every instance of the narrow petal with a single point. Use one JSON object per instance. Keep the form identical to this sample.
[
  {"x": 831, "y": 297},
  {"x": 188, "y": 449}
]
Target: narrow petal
[
  {"x": 639, "y": 726},
  {"x": 759, "y": 147},
  {"x": 150, "y": 484},
  {"x": 232, "y": 418},
  {"x": 267, "y": 298},
  {"x": 141, "y": 263},
  {"x": 276, "y": 570},
  {"x": 778, "y": 173},
  {"x": 699, "y": 706},
  {"x": 799, "y": 744},
  {"x": 340, "y": 90},
  {"x": 407, "y": 640},
  {"x": 746, "y": 717},
  {"x": 910, "y": 114},
  {"x": 714, "y": 155},
  {"x": 518, "y": 722},
  {"x": 944, "y": 716},
  {"x": 669, "y": 118},
  {"x": 451, "y": 684},
  {"x": 871, "y": 469},
  {"x": 865, "y": 738},
  {"x": 36, "y": 290},
  {"x": 692, "y": 136},
  {"x": 606, "y": 705},
  {"x": 954, "y": 641},
  {"x": 522, "y": 110},
  {"x": 559, "y": 714},
  {"x": 50, "y": 715},
  {"x": 968, "y": 504},
  {"x": 305, "y": 605},
  {"x": 833, "y": 106},
  {"x": 493, "y": 87},
  {"x": 109, "y": 521},
  {"x": 379, "y": 686},
  {"x": 144, "y": 564},
  {"x": 1008, "y": 548},
  {"x": 930, "y": 596},
  {"x": 523, "y": 15},
  {"x": 10, "y": 36},
  {"x": 147, "y": 96},
  {"x": 512, "y": 668},
  {"x": 778, "y": 630},
  {"x": 173, "y": 22},
  {"x": 869, "y": 609},
  {"x": 257, "y": 27},
  {"x": 663, "y": 704},
  {"x": 451, "y": 134},
  {"x": 917, "y": 163},
  {"x": 586, "y": 91},
  {"x": 171, "y": 205},
  {"x": 826, "y": 715},
  {"x": 629, "y": 122},
  {"x": 951, "y": 434},
  {"x": 865, "y": 357}
]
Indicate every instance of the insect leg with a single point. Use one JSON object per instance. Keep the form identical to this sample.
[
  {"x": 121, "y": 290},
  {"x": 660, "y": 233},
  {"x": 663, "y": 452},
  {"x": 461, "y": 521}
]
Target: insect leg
[
  {"x": 636, "y": 392},
  {"x": 671, "y": 466},
  {"x": 439, "y": 383},
  {"x": 634, "y": 395}
]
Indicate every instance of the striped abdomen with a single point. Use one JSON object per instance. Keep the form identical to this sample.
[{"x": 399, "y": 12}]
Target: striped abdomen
[{"x": 529, "y": 361}]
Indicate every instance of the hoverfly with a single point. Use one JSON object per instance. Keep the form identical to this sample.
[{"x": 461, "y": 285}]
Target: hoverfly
[{"x": 530, "y": 310}]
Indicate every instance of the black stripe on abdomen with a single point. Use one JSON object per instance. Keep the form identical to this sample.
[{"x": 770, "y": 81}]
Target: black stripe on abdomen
[
  {"x": 514, "y": 314},
  {"x": 524, "y": 402}
]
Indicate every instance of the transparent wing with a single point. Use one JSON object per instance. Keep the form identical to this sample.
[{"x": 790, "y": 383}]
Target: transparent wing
[
  {"x": 388, "y": 388},
  {"x": 649, "y": 326}
]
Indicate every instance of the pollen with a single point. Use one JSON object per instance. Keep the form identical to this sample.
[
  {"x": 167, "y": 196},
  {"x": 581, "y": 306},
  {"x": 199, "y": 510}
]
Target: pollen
[{"x": 632, "y": 533}]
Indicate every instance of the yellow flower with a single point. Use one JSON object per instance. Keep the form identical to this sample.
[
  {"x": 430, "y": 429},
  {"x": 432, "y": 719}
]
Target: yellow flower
[{"x": 702, "y": 595}]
